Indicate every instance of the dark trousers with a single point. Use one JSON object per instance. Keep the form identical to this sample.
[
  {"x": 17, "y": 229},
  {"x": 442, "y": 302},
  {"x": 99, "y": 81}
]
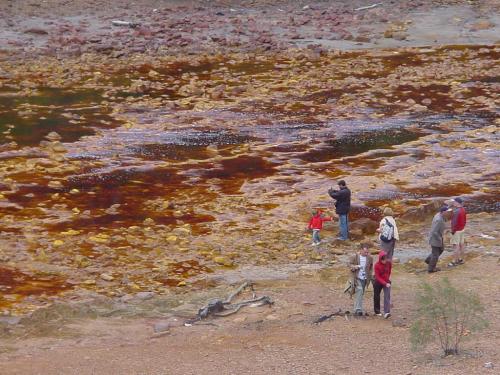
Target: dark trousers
[
  {"x": 433, "y": 257},
  {"x": 377, "y": 289}
]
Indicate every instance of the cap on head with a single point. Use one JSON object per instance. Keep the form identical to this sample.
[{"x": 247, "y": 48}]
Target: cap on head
[
  {"x": 341, "y": 183},
  {"x": 444, "y": 209},
  {"x": 459, "y": 200}
]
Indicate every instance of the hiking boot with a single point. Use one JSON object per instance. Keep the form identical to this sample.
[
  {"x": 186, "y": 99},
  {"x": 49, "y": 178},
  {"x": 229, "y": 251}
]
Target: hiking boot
[
  {"x": 460, "y": 261},
  {"x": 453, "y": 264},
  {"x": 434, "y": 270},
  {"x": 378, "y": 314},
  {"x": 387, "y": 315},
  {"x": 358, "y": 313}
]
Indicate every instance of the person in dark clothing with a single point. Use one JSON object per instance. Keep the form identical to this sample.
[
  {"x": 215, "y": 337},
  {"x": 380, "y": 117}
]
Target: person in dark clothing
[
  {"x": 342, "y": 207},
  {"x": 436, "y": 238}
]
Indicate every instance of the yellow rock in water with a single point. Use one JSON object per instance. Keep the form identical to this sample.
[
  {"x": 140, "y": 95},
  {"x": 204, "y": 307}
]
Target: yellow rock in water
[
  {"x": 70, "y": 232},
  {"x": 41, "y": 256},
  {"x": 223, "y": 261},
  {"x": 74, "y": 191},
  {"x": 182, "y": 283},
  {"x": 58, "y": 243},
  {"x": 172, "y": 238},
  {"x": 148, "y": 221},
  {"x": 55, "y": 184},
  {"x": 98, "y": 239},
  {"x": 134, "y": 286},
  {"x": 82, "y": 261}
]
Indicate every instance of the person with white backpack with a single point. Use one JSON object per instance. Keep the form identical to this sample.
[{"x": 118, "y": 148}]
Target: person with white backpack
[{"x": 388, "y": 233}]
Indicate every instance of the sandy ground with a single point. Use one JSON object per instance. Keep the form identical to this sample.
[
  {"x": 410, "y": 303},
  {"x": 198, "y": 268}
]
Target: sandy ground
[{"x": 280, "y": 339}]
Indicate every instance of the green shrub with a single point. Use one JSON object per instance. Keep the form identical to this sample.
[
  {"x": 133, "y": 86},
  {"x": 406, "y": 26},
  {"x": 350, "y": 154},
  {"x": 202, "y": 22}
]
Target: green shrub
[{"x": 447, "y": 314}]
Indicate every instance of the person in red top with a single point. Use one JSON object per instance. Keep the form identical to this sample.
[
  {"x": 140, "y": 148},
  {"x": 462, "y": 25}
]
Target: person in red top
[
  {"x": 382, "y": 281},
  {"x": 316, "y": 224},
  {"x": 458, "y": 221}
]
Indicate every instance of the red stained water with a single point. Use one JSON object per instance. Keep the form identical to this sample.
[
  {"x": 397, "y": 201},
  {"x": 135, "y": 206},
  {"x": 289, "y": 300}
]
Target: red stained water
[{"x": 18, "y": 285}]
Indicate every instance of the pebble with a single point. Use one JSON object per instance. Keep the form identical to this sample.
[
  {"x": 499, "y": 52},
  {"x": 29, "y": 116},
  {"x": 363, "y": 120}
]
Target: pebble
[
  {"x": 144, "y": 295},
  {"x": 161, "y": 327},
  {"x": 107, "y": 277}
]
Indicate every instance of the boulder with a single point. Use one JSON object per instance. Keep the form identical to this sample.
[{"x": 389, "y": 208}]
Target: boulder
[
  {"x": 482, "y": 25},
  {"x": 422, "y": 212},
  {"x": 366, "y": 225}
]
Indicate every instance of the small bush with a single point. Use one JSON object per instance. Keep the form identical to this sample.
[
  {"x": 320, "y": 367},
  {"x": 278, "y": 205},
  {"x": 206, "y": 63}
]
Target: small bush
[{"x": 446, "y": 314}]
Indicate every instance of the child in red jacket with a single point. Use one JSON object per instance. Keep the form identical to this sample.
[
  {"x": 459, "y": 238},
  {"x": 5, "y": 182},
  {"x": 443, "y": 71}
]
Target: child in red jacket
[
  {"x": 382, "y": 281},
  {"x": 316, "y": 224}
]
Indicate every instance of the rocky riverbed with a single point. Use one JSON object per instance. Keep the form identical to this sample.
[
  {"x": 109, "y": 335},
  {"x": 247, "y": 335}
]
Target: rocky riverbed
[{"x": 137, "y": 159}]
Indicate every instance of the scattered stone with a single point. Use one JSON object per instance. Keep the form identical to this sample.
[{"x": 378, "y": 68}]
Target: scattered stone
[
  {"x": 482, "y": 25},
  {"x": 55, "y": 184},
  {"x": 272, "y": 317},
  {"x": 399, "y": 322},
  {"x": 337, "y": 251},
  {"x": 143, "y": 296},
  {"x": 82, "y": 261},
  {"x": 161, "y": 327},
  {"x": 399, "y": 35},
  {"x": 106, "y": 277},
  {"x": 489, "y": 365},
  {"x": 58, "y": 147},
  {"x": 53, "y": 136},
  {"x": 223, "y": 261},
  {"x": 36, "y": 31}
]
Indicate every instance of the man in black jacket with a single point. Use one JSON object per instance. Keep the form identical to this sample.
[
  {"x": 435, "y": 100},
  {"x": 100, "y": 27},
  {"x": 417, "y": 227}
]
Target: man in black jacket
[{"x": 342, "y": 207}]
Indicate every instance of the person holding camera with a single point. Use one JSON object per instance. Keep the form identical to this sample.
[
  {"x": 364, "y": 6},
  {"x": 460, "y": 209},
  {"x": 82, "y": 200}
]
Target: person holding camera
[{"x": 342, "y": 207}]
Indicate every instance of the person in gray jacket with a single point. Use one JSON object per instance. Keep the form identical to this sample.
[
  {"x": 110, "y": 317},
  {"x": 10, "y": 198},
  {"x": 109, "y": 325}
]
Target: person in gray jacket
[{"x": 436, "y": 238}]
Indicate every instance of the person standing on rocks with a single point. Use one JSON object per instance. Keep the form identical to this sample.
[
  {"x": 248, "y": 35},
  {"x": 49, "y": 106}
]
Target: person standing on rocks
[
  {"x": 316, "y": 224},
  {"x": 342, "y": 207},
  {"x": 361, "y": 267},
  {"x": 436, "y": 238},
  {"x": 388, "y": 233},
  {"x": 458, "y": 221}
]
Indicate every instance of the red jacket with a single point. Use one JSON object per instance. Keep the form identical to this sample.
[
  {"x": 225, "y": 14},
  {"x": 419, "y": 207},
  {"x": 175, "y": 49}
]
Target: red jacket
[
  {"x": 317, "y": 220},
  {"x": 458, "y": 219},
  {"x": 383, "y": 271}
]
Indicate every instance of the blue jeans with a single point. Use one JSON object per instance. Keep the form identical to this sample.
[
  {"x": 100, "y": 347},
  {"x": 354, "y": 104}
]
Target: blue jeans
[
  {"x": 344, "y": 227},
  {"x": 316, "y": 238}
]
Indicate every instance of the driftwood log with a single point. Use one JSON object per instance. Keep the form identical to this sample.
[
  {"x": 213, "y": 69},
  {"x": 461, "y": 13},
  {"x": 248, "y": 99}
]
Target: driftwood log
[
  {"x": 339, "y": 312},
  {"x": 221, "y": 308}
]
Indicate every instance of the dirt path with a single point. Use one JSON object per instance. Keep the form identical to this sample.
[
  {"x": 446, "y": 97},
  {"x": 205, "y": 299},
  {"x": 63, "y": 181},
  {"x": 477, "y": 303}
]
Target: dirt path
[{"x": 278, "y": 340}]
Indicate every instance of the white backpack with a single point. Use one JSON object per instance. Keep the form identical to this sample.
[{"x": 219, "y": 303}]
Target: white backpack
[{"x": 387, "y": 233}]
